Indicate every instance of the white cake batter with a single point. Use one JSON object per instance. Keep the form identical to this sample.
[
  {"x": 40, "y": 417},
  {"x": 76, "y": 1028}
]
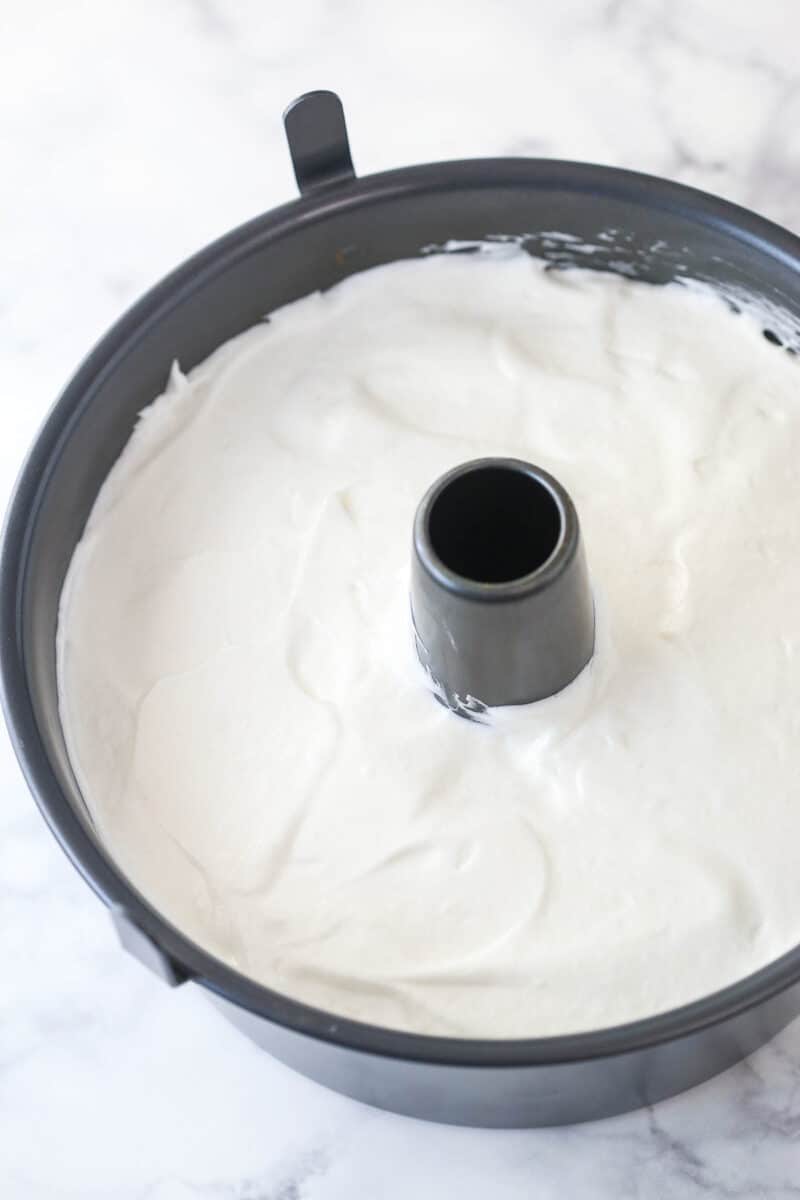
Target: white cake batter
[{"x": 255, "y": 739}]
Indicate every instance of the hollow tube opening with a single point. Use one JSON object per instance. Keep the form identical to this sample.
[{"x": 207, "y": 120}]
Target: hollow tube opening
[{"x": 494, "y": 524}]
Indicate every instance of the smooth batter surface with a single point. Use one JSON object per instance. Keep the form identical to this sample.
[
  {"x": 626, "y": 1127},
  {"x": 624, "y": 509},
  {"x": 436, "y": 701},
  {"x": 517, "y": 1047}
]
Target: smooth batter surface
[{"x": 255, "y": 739}]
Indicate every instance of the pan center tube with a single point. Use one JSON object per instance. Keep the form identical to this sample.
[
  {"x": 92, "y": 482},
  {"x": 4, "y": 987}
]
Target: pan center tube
[{"x": 500, "y": 596}]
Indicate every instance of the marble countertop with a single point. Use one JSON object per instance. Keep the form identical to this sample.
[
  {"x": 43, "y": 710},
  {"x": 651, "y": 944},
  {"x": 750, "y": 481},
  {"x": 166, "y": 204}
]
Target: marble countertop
[{"x": 132, "y": 135}]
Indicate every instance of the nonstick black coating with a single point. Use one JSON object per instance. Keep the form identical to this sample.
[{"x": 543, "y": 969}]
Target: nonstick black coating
[
  {"x": 644, "y": 227},
  {"x": 501, "y": 603}
]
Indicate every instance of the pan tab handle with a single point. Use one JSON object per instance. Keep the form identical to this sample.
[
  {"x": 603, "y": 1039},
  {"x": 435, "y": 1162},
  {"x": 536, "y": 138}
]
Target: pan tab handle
[
  {"x": 141, "y": 946},
  {"x": 317, "y": 135}
]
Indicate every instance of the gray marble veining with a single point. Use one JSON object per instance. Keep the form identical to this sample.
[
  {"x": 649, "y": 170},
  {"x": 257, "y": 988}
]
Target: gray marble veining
[{"x": 133, "y": 134}]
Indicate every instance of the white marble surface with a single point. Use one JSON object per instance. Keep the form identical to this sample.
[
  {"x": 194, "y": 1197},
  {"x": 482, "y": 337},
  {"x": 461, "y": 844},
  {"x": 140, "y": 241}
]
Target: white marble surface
[{"x": 133, "y": 132}]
